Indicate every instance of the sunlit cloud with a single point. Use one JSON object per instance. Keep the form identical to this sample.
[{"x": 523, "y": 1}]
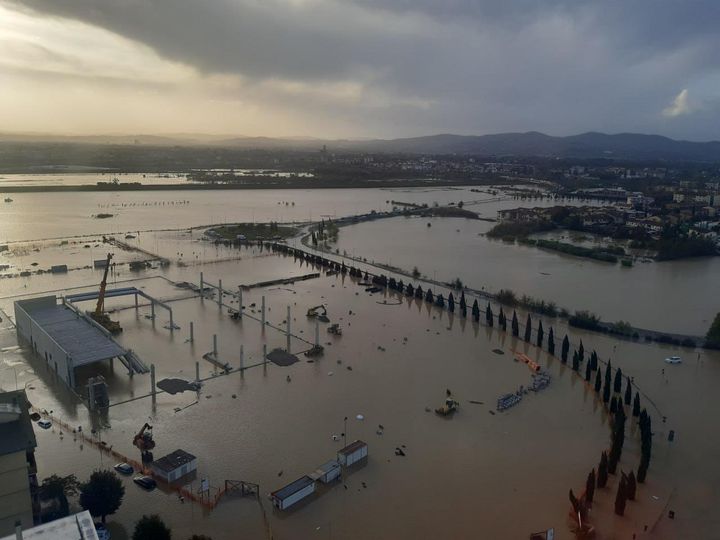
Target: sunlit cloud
[{"x": 679, "y": 105}]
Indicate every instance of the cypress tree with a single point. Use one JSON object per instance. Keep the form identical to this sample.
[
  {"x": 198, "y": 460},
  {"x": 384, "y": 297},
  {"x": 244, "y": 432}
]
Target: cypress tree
[
  {"x": 476, "y": 311},
  {"x": 515, "y": 325},
  {"x": 528, "y": 328},
  {"x": 451, "y": 303},
  {"x": 628, "y": 392},
  {"x": 463, "y": 304},
  {"x": 590, "y": 487},
  {"x": 429, "y": 296},
  {"x": 576, "y": 361},
  {"x": 565, "y": 349},
  {"x": 621, "y": 497},
  {"x": 618, "y": 436},
  {"x": 419, "y": 292},
  {"x": 502, "y": 320},
  {"x": 631, "y": 486},
  {"x": 606, "y": 392},
  {"x": 608, "y": 373},
  {"x": 613, "y": 405},
  {"x": 602, "y": 476},
  {"x": 593, "y": 361},
  {"x": 636, "y": 404},
  {"x": 489, "y": 319},
  {"x": 598, "y": 382},
  {"x": 440, "y": 301},
  {"x": 588, "y": 372},
  {"x": 409, "y": 290},
  {"x": 551, "y": 342},
  {"x": 540, "y": 334},
  {"x": 618, "y": 381},
  {"x": 581, "y": 352}
]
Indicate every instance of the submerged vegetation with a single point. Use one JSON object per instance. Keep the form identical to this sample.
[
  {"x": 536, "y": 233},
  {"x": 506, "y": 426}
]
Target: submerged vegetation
[{"x": 251, "y": 232}]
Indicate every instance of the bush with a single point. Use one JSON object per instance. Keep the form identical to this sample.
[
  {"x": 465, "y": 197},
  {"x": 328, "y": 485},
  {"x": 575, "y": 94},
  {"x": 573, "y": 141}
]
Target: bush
[
  {"x": 585, "y": 319},
  {"x": 507, "y": 297}
]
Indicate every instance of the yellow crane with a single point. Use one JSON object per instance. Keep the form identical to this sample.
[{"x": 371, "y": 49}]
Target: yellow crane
[{"x": 99, "y": 314}]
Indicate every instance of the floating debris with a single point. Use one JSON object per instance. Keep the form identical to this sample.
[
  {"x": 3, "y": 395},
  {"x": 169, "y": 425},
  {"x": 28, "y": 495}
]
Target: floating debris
[{"x": 508, "y": 400}]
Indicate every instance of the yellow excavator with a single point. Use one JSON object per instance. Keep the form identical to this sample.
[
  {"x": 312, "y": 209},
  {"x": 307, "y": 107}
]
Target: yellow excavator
[
  {"x": 99, "y": 315},
  {"x": 313, "y": 312},
  {"x": 144, "y": 441}
]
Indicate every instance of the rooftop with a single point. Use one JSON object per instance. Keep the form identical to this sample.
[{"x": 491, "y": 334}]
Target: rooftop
[
  {"x": 352, "y": 447},
  {"x": 292, "y": 488},
  {"x": 173, "y": 461},
  {"x": 16, "y": 435},
  {"x": 84, "y": 342},
  {"x": 77, "y": 527}
]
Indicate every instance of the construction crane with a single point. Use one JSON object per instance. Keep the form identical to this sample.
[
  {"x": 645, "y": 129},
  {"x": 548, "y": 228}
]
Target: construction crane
[
  {"x": 99, "y": 315},
  {"x": 144, "y": 441}
]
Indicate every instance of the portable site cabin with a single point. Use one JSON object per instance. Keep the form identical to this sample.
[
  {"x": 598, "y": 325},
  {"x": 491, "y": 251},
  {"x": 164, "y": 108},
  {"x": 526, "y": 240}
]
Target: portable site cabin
[
  {"x": 327, "y": 472},
  {"x": 175, "y": 465},
  {"x": 352, "y": 453},
  {"x": 294, "y": 492}
]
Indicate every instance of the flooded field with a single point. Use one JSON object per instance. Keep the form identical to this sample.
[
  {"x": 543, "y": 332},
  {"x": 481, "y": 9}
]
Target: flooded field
[
  {"x": 478, "y": 474},
  {"x": 683, "y": 294}
]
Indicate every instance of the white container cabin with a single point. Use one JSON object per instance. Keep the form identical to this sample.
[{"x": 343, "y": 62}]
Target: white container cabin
[
  {"x": 293, "y": 493},
  {"x": 352, "y": 453},
  {"x": 327, "y": 472},
  {"x": 174, "y": 466}
]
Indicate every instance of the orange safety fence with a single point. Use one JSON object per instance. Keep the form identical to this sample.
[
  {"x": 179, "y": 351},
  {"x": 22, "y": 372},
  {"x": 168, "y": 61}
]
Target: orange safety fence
[{"x": 102, "y": 447}]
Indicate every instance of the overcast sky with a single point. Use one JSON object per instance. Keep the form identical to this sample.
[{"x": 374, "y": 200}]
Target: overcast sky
[{"x": 360, "y": 68}]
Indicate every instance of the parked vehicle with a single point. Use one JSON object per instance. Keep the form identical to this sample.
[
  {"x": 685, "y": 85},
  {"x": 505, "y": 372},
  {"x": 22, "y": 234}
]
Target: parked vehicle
[
  {"x": 102, "y": 532},
  {"x": 45, "y": 424},
  {"x": 673, "y": 360},
  {"x": 146, "y": 482},
  {"x": 124, "y": 468}
]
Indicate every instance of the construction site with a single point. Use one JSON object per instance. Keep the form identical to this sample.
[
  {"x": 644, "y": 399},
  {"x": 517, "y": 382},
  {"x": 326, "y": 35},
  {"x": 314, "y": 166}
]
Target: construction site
[{"x": 261, "y": 361}]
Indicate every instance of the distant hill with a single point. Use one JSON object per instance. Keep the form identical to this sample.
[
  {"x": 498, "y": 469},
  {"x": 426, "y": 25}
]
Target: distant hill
[
  {"x": 629, "y": 146},
  {"x": 587, "y": 145}
]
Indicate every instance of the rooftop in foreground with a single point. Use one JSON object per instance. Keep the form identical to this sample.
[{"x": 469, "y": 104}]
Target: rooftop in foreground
[{"x": 77, "y": 527}]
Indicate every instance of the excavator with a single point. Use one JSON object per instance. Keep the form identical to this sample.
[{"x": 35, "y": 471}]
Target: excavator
[
  {"x": 99, "y": 315},
  {"x": 313, "y": 312},
  {"x": 144, "y": 442}
]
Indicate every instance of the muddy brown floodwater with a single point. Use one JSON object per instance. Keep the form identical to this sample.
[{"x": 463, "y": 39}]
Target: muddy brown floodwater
[{"x": 474, "y": 475}]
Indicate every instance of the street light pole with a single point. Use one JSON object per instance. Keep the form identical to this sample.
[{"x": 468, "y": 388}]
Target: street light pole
[{"x": 345, "y": 432}]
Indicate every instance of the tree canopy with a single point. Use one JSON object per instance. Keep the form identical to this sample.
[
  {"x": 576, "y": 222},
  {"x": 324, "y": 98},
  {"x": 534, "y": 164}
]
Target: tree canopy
[
  {"x": 151, "y": 528},
  {"x": 102, "y": 494}
]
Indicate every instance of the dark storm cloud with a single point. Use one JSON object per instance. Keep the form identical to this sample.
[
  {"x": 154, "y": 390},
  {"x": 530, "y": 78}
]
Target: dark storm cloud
[{"x": 559, "y": 65}]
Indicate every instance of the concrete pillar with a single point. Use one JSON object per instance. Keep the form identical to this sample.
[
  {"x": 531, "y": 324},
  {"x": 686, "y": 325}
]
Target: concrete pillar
[
  {"x": 152, "y": 380},
  {"x": 264, "y": 356},
  {"x": 288, "y": 329},
  {"x": 317, "y": 333},
  {"x": 152, "y": 309},
  {"x": 192, "y": 332},
  {"x": 242, "y": 358},
  {"x": 215, "y": 346},
  {"x": 172, "y": 324},
  {"x": 220, "y": 294},
  {"x": 263, "y": 311},
  {"x": 202, "y": 287},
  {"x": 197, "y": 371},
  {"x": 136, "y": 301},
  {"x": 240, "y": 304}
]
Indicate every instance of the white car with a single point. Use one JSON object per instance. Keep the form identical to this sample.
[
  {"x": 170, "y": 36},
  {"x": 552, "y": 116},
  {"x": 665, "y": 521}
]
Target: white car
[
  {"x": 102, "y": 532},
  {"x": 45, "y": 424},
  {"x": 673, "y": 360}
]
